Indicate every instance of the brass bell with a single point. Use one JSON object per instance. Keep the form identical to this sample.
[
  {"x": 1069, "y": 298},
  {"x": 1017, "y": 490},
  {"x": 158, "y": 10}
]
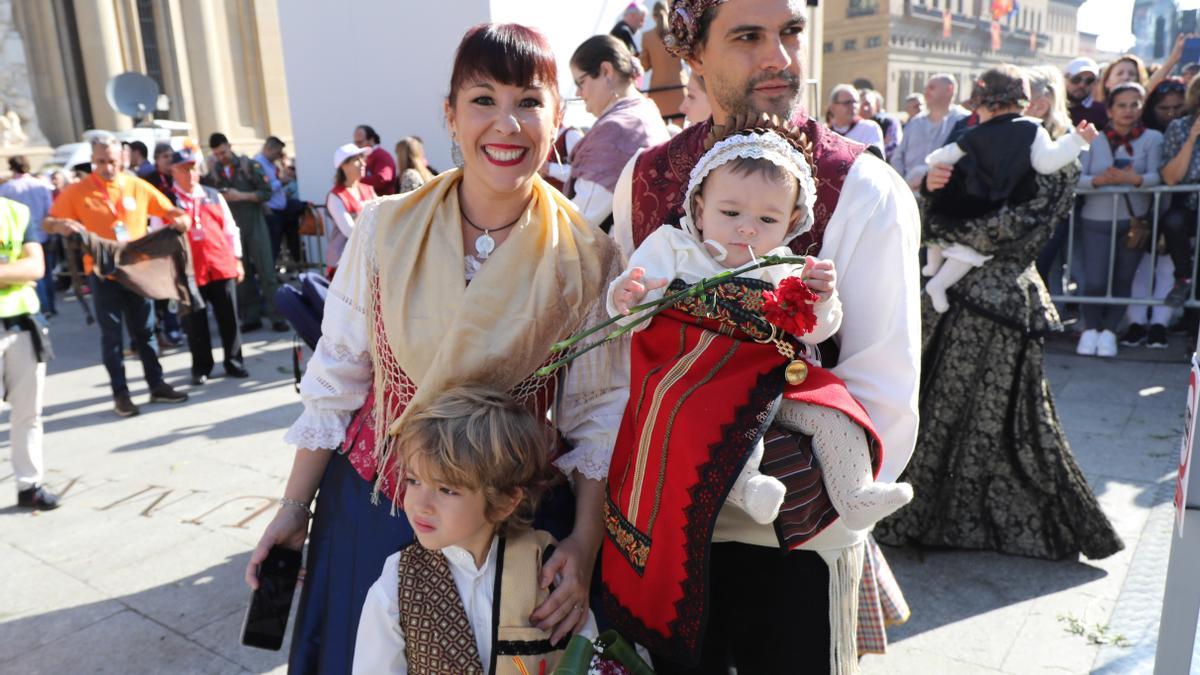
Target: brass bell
[{"x": 796, "y": 372}]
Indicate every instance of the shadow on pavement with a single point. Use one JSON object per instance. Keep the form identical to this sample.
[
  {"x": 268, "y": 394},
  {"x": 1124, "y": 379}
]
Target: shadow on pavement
[
  {"x": 192, "y": 624},
  {"x": 943, "y": 587},
  {"x": 225, "y": 428}
]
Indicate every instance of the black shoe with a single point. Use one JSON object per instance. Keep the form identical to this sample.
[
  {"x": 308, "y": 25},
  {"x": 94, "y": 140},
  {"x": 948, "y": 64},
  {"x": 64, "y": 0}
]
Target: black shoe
[
  {"x": 1156, "y": 338},
  {"x": 199, "y": 379},
  {"x": 280, "y": 326},
  {"x": 37, "y": 497},
  {"x": 165, "y": 393},
  {"x": 236, "y": 371},
  {"x": 169, "y": 342},
  {"x": 123, "y": 405},
  {"x": 1178, "y": 294},
  {"x": 251, "y": 326},
  {"x": 1134, "y": 335}
]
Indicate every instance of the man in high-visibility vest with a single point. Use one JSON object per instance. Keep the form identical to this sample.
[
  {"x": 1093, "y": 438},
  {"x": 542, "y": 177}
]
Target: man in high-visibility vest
[{"x": 23, "y": 350}]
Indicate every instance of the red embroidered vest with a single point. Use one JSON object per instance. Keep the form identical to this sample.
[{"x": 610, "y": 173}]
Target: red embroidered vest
[
  {"x": 212, "y": 252},
  {"x": 660, "y": 179}
]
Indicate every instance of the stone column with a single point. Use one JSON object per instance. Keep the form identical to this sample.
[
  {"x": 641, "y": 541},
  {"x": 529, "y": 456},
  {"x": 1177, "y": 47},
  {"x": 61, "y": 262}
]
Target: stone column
[
  {"x": 278, "y": 120},
  {"x": 46, "y": 72},
  {"x": 99, "y": 42},
  {"x": 206, "y": 40}
]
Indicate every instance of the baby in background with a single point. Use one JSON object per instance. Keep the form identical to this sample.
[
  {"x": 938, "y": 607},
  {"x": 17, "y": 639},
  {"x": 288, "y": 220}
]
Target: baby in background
[
  {"x": 474, "y": 465},
  {"x": 750, "y": 195},
  {"x": 995, "y": 165}
]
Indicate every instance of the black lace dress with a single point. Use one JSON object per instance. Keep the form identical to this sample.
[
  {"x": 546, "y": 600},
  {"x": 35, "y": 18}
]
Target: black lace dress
[{"x": 992, "y": 467}]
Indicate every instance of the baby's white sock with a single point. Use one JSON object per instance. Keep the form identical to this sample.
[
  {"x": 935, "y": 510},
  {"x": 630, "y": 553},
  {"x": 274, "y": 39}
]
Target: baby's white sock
[
  {"x": 950, "y": 272},
  {"x": 933, "y": 260},
  {"x": 840, "y": 446},
  {"x": 756, "y": 493}
]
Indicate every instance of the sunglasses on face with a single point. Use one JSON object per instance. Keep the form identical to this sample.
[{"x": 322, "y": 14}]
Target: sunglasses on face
[
  {"x": 1083, "y": 79},
  {"x": 848, "y": 101}
]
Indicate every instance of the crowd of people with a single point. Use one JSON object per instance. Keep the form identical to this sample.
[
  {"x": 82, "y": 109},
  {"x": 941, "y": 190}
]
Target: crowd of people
[{"x": 454, "y": 488}]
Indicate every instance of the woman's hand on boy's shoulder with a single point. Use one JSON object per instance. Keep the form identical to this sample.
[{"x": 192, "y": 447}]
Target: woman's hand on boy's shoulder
[{"x": 568, "y": 573}]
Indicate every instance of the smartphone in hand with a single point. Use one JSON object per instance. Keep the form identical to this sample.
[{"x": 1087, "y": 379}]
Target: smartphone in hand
[
  {"x": 1122, "y": 163},
  {"x": 1191, "y": 52},
  {"x": 266, "y": 618}
]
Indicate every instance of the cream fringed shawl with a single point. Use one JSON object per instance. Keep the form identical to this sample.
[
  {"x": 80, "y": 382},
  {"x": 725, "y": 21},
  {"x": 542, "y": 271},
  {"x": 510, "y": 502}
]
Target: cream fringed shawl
[{"x": 544, "y": 283}]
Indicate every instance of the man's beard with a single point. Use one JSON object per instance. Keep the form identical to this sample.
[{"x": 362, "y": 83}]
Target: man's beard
[{"x": 738, "y": 100}]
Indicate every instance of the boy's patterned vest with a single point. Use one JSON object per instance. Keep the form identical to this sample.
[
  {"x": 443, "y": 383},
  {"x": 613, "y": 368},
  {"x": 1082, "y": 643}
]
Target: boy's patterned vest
[{"x": 438, "y": 636}]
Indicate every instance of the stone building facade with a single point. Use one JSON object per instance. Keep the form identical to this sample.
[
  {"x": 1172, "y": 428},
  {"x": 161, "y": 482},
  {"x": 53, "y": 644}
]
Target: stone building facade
[
  {"x": 896, "y": 45},
  {"x": 219, "y": 64}
]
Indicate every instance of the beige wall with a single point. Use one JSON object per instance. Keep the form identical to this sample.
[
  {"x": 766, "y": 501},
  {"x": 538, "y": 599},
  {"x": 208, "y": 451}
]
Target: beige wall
[{"x": 221, "y": 63}]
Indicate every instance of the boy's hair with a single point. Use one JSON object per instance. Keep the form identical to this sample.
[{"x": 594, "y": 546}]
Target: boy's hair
[
  {"x": 1001, "y": 87},
  {"x": 480, "y": 439}
]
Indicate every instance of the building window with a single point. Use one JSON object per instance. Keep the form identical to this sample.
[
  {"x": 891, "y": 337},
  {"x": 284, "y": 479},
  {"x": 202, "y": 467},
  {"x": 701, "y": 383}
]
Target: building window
[
  {"x": 850, "y": 45},
  {"x": 873, "y": 41},
  {"x": 150, "y": 50},
  {"x": 861, "y": 8},
  {"x": 828, "y": 47}
]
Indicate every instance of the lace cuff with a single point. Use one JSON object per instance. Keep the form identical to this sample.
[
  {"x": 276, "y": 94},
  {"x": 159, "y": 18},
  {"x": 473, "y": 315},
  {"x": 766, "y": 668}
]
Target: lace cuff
[
  {"x": 319, "y": 429},
  {"x": 588, "y": 460}
]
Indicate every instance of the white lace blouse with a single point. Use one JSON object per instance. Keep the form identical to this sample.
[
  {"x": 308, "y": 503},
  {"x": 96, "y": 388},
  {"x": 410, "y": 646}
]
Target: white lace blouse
[{"x": 339, "y": 374}]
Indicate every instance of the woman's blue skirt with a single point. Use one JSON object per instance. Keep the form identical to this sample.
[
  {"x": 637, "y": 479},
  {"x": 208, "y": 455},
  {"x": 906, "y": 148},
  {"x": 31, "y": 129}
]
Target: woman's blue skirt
[{"x": 349, "y": 540}]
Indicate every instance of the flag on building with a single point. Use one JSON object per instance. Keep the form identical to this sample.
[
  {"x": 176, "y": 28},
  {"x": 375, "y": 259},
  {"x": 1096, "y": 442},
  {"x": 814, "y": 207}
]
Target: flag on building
[
  {"x": 946, "y": 23},
  {"x": 1001, "y": 9}
]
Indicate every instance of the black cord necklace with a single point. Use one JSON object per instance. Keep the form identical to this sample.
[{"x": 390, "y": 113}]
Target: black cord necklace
[{"x": 484, "y": 243}]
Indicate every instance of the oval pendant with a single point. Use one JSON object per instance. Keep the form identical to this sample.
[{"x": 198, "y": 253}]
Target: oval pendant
[
  {"x": 484, "y": 245},
  {"x": 796, "y": 372}
]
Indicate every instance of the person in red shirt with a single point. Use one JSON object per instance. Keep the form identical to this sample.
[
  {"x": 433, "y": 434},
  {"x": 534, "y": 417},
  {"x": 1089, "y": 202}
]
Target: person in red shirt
[
  {"x": 115, "y": 205},
  {"x": 216, "y": 245},
  {"x": 381, "y": 168}
]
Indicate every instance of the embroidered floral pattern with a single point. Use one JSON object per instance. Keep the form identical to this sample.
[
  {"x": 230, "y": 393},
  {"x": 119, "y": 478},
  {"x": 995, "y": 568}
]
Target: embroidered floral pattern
[{"x": 992, "y": 469}]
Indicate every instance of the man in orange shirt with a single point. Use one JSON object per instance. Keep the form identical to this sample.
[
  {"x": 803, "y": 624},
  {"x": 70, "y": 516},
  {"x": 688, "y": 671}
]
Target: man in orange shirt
[{"x": 115, "y": 205}]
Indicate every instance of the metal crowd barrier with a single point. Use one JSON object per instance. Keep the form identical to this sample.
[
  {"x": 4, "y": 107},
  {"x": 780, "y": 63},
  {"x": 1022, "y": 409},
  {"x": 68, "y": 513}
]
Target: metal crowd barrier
[{"x": 1161, "y": 194}]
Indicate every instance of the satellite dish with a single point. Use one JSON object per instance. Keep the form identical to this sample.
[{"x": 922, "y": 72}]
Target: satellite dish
[{"x": 133, "y": 94}]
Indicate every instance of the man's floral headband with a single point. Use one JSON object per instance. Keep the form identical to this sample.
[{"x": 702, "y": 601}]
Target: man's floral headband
[{"x": 684, "y": 25}]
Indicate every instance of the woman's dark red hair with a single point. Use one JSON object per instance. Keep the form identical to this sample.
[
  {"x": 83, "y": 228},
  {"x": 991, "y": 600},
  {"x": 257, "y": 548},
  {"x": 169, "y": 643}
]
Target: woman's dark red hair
[{"x": 507, "y": 53}]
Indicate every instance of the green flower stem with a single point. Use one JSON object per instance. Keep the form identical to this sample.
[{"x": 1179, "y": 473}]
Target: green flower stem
[{"x": 648, "y": 310}]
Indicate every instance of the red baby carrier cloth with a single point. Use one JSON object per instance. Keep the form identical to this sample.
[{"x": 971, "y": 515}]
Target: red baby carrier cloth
[{"x": 705, "y": 384}]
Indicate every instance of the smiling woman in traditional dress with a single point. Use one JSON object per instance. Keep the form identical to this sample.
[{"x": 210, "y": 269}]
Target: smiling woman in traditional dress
[{"x": 469, "y": 279}]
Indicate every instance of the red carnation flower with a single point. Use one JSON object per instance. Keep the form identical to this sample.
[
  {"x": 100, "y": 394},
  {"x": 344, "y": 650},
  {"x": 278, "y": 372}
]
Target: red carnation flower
[{"x": 790, "y": 307}]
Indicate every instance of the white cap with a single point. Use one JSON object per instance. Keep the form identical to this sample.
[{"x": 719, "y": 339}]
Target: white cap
[
  {"x": 346, "y": 152},
  {"x": 1082, "y": 65}
]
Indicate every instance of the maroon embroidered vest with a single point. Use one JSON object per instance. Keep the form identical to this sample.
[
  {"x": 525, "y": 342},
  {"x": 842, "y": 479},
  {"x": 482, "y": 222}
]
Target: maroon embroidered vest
[{"x": 660, "y": 179}]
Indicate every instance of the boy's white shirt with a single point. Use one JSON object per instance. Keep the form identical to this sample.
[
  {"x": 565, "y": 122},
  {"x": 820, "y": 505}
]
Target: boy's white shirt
[
  {"x": 380, "y": 644},
  {"x": 1046, "y": 154},
  {"x": 670, "y": 253}
]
